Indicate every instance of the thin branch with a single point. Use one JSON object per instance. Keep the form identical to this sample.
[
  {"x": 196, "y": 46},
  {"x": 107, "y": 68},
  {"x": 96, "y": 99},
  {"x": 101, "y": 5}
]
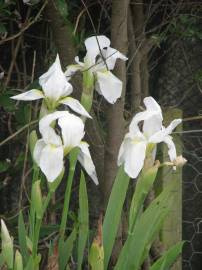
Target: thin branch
[
  {"x": 13, "y": 60},
  {"x": 18, "y": 132},
  {"x": 27, "y": 26}
]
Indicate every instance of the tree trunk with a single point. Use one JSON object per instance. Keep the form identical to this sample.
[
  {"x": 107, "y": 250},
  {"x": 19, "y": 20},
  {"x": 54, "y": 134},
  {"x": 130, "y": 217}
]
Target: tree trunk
[{"x": 115, "y": 113}]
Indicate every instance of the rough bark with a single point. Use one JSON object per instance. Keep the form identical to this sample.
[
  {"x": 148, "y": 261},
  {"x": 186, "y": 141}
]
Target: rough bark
[
  {"x": 139, "y": 48},
  {"x": 97, "y": 145},
  {"x": 135, "y": 56},
  {"x": 137, "y": 26},
  {"x": 62, "y": 33},
  {"x": 115, "y": 113}
]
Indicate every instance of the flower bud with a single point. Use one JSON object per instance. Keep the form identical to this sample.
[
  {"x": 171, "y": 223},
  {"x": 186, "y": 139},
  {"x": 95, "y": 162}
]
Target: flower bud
[
  {"x": 7, "y": 245},
  {"x": 18, "y": 261},
  {"x": 179, "y": 161}
]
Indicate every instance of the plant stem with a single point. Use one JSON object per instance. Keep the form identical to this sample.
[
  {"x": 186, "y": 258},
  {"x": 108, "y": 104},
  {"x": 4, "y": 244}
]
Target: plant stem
[
  {"x": 38, "y": 225},
  {"x": 73, "y": 159}
]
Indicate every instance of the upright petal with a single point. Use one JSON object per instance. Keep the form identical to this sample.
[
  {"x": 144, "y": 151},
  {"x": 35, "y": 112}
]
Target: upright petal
[
  {"x": 152, "y": 125},
  {"x": 109, "y": 86},
  {"x": 72, "y": 129},
  {"x": 171, "y": 147},
  {"x": 152, "y": 105},
  {"x": 152, "y": 118},
  {"x": 132, "y": 154},
  {"x": 48, "y": 133},
  {"x": 85, "y": 159},
  {"x": 33, "y": 94},
  {"x": 111, "y": 55},
  {"x": 160, "y": 135},
  {"x": 51, "y": 161},
  {"x": 141, "y": 116},
  {"x": 54, "y": 82},
  {"x": 75, "y": 105},
  {"x": 94, "y": 46}
]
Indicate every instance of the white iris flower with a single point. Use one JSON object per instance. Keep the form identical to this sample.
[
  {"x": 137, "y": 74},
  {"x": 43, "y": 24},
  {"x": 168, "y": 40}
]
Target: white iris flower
[
  {"x": 99, "y": 60},
  {"x": 55, "y": 90},
  {"x": 51, "y": 149},
  {"x": 136, "y": 142}
]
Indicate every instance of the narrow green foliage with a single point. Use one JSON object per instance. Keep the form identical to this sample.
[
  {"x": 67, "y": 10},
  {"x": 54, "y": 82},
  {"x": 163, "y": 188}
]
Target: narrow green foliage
[
  {"x": 65, "y": 249},
  {"x": 83, "y": 220},
  {"x": 22, "y": 238},
  {"x": 137, "y": 245},
  {"x": 2, "y": 261},
  {"x": 168, "y": 258},
  {"x": 143, "y": 186},
  {"x": 113, "y": 213},
  {"x": 73, "y": 160},
  {"x": 30, "y": 264},
  {"x": 96, "y": 256}
]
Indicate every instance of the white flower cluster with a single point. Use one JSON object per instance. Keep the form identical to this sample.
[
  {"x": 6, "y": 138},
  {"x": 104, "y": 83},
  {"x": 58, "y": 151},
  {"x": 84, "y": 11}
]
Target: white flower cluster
[
  {"x": 50, "y": 150},
  {"x": 136, "y": 142}
]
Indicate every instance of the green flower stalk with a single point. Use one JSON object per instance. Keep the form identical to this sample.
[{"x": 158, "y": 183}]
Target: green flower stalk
[
  {"x": 143, "y": 187},
  {"x": 37, "y": 199},
  {"x": 88, "y": 89}
]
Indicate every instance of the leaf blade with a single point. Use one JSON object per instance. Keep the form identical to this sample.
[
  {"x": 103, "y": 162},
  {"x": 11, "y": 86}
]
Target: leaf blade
[
  {"x": 83, "y": 220},
  {"x": 114, "y": 209}
]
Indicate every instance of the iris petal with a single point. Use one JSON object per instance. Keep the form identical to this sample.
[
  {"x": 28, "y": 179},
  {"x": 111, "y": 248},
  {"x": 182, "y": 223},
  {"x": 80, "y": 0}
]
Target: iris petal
[
  {"x": 33, "y": 94},
  {"x": 54, "y": 82},
  {"x": 109, "y": 86},
  {"x": 85, "y": 159},
  {"x": 51, "y": 161},
  {"x": 75, "y": 105}
]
